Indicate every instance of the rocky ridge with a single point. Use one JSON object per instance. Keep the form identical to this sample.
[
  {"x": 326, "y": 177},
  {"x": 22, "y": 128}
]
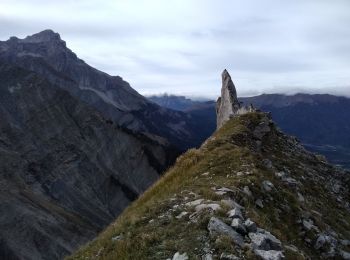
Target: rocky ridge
[{"x": 249, "y": 192}]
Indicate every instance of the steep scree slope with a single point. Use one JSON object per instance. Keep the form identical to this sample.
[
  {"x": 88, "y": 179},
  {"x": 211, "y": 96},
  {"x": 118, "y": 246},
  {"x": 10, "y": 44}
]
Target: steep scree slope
[
  {"x": 248, "y": 192},
  {"x": 66, "y": 172}
]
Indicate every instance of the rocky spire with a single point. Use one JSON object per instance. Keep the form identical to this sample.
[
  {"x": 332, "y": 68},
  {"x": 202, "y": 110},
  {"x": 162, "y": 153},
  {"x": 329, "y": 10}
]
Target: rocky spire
[{"x": 227, "y": 105}]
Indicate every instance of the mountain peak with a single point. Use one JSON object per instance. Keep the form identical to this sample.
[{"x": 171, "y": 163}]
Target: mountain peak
[
  {"x": 228, "y": 104},
  {"x": 44, "y": 36}
]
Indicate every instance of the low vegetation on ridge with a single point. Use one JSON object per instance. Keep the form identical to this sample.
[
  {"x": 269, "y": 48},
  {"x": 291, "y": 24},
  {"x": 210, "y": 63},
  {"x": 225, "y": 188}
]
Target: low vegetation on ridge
[{"x": 248, "y": 164}]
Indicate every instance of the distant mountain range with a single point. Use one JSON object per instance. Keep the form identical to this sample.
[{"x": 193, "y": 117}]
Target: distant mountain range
[
  {"x": 179, "y": 103},
  {"x": 321, "y": 122}
]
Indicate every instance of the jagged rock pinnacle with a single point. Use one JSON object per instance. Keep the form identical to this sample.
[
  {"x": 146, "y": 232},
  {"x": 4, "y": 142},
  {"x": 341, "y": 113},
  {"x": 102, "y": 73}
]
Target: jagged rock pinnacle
[{"x": 227, "y": 105}]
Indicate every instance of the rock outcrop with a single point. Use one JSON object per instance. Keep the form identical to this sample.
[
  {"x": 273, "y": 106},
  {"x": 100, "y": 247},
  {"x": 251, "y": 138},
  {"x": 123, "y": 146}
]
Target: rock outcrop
[{"x": 227, "y": 105}]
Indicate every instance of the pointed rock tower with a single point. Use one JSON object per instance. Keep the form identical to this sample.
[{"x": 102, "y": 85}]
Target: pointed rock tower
[{"x": 227, "y": 105}]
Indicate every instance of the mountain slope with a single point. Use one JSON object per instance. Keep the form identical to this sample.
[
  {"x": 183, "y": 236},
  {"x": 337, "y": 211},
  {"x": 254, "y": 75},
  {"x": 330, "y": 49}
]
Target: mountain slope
[
  {"x": 247, "y": 169},
  {"x": 46, "y": 54},
  {"x": 66, "y": 171}
]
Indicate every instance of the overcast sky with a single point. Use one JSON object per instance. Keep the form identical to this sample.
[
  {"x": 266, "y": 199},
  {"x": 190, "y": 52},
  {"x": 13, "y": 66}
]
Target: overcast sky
[{"x": 181, "y": 46}]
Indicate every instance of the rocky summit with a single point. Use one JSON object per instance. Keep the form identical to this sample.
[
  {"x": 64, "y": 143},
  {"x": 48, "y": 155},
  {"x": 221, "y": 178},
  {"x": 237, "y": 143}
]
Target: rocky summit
[{"x": 249, "y": 192}]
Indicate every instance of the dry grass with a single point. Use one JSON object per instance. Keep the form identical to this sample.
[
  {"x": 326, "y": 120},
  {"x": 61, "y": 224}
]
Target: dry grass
[{"x": 147, "y": 235}]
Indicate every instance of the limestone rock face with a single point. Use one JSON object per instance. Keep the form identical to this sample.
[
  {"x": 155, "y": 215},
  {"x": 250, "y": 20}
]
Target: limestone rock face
[{"x": 227, "y": 105}]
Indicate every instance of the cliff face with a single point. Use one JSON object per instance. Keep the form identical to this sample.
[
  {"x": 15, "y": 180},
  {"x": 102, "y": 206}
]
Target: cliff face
[
  {"x": 249, "y": 192},
  {"x": 46, "y": 54},
  {"x": 66, "y": 171},
  {"x": 227, "y": 105}
]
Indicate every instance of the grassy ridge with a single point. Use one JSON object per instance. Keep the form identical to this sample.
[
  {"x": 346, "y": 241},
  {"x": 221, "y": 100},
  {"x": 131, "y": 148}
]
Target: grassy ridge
[{"x": 232, "y": 158}]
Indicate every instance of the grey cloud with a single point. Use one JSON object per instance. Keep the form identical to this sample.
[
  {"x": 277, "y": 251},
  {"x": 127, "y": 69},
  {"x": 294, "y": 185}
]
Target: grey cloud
[{"x": 182, "y": 46}]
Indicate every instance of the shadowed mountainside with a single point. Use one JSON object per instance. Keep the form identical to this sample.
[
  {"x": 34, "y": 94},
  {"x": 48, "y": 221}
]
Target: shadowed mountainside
[{"x": 66, "y": 171}]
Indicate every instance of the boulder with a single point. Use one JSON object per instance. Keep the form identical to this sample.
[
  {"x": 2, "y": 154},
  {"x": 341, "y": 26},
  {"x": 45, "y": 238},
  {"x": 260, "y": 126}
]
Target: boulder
[
  {"x": 281, "y": 174},
  {"x": 231, "y": 203},
  {"x": 267, "y": 163},
  {"x": 345, "y": 255},
  {"x": 267, "y": 186},
  {"x": 300, "y": 197},
  {"x": 269, "y": 254},
  {"x": 324, "y": 240},
  {"x": 259, "y": 203},
  {"x": 216, "y": 228},
  {"x": 345, "y": 242},
  {"x": 250, "y": 226},
  {"x": 290, "y": 181},
  {"x": 212, "y": 207},
  {"x": 237, "y": 225},
  {"x": 308, "y": 224},
  {"x": 235, "y": 213},
  {"x": 194, "y": 203},
  {"x": 178, "y": 256},
  {"x": 264, "y": 240},
  {"x": 207, "y": 256},
  {"x": 326, "y": 244},
  {"x": 116, "y": 238},
  {"x": 228, "y": 257},
  {"x": 224, "y": 189},
  {"x": 247, "y": 191},
  {"x": 181, "y": 215}
]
